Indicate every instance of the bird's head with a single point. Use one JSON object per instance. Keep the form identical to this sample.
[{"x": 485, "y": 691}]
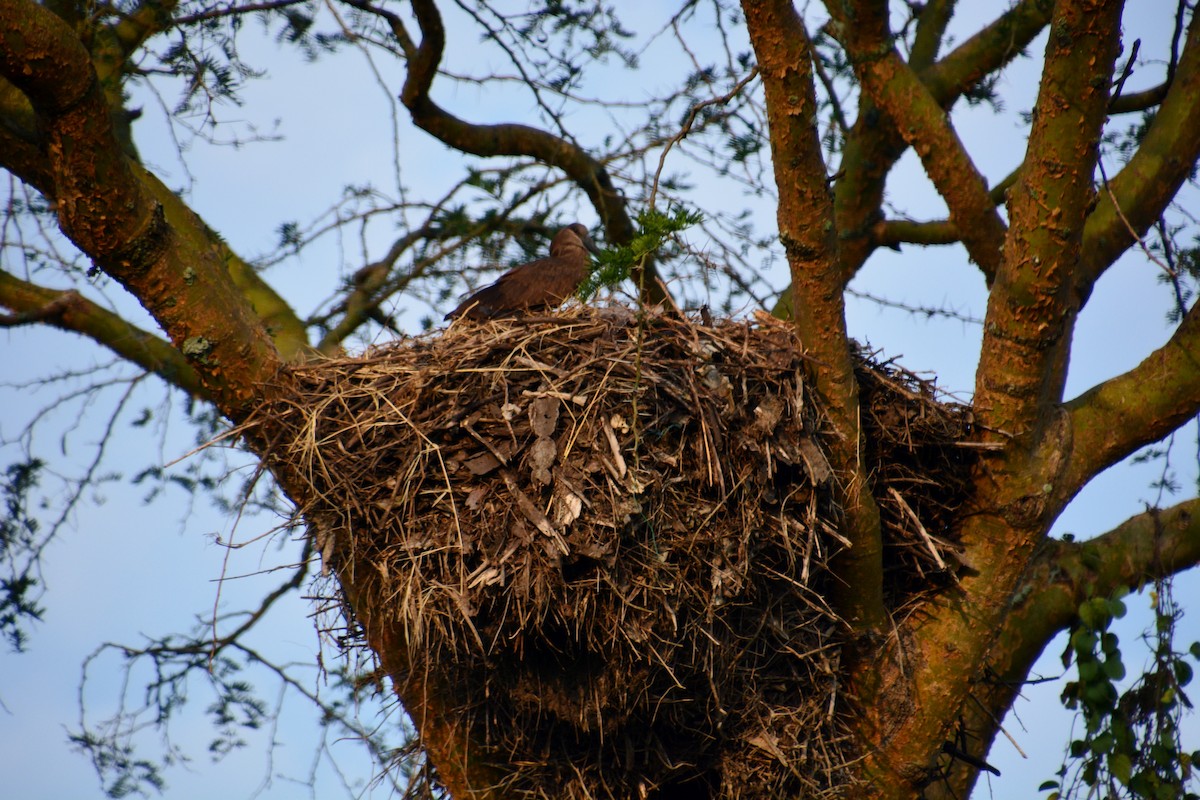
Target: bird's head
[{"x": 574, "y": 235}]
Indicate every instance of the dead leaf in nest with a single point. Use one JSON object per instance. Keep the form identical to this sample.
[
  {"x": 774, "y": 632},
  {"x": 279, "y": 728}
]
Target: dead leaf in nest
[
  {"x": 543, "y": 416},
  {"x": 818, "y": 466},
  {"x": 769, "y": 743},
  {"x": 618, "y": 467},
  {"x": 482, "y": 464},
  {"x": 475, "y": 498},
  {"x": 541, "y": 459},
  {"x": 484, "y": 576},
  {"x": 766, "y": 416},
  {"x": 566, "y": 506},
  {"x": 533, "y": 513}
]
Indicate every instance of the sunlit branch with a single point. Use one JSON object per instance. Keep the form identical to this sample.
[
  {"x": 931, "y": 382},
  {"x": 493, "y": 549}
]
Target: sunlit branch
[
  {"x": 995, "y": 45},
  {"x": 1149, "y": 546},
  {"x": 895, "y": 232},
  {"x": 809, "y": 238},
  {"x": 1115, "y": 418},
  {"x": 924, "y": 125},
  {"x": 71, "y": 311},
  {"x": 111, "y": 215},
  {"x": 932, "y": 20},
  {"x": 874, "y": 145},
  {"x": 1030, "y": 314}
]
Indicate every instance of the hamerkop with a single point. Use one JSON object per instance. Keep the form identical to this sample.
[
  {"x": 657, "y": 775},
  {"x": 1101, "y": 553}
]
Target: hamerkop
[{"x": 538, "y": 285}]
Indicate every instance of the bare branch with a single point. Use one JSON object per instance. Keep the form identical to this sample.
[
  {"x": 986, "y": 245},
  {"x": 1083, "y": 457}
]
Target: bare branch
[
  {"x": 1114, "y": 419},
  {"x": 1147, "y": 184},
  {"x": 921, "y": 121},
  {"x": 70, "y": 311}
]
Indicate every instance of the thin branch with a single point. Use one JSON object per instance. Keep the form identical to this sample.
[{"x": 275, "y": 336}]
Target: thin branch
[
  {"x": 1164, "y": 159},
  {"x": 686, "y": 128}
]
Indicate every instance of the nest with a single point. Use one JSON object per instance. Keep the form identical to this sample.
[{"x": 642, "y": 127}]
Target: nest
[{"x": 612, "y": 534}]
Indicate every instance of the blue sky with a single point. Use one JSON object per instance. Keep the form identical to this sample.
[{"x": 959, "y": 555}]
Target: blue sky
[{"x": 123, "y": 569}]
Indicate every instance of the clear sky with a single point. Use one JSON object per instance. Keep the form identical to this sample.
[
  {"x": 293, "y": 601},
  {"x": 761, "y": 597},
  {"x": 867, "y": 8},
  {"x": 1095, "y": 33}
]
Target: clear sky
[{"x": 122, "y": 570}]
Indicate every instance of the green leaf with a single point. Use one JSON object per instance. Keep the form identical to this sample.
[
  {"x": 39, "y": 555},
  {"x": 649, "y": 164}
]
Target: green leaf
[
  {"x": 1102, "y": 743},
  {"x": 1120, "y": 765},
  {"x": 1084, "y": 641},
  {"x": 1183, "y": 672}
]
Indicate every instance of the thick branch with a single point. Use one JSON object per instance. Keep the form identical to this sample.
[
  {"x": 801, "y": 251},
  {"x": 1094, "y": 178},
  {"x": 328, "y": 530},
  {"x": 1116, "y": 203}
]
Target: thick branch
[
  {"x": 874, "y": 145},
  {"x": 1114, "y": 419},
  {"x": 109, "y": 214},
  {"x": 897, "y": 90},
  {"x": 1030, "y": 314},
  {"x": 944, "y": 654},
  {"x": 21, "y": 154},
  {"x": 810, "y": 239},
  {"x": 1139, "y": 101},
  {"x": 895, "y": 232},
  {"x": 932, "y": 21},
  {"x": 70, "y": 311},
  {"x": 1165, "y": 158},
  {"x": 995, "y": 45},
  {"x": 277, "y": 316}
]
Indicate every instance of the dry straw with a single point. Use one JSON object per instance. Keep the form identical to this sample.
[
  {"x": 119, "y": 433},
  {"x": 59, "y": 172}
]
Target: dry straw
[{"x": 612, "y": 531}]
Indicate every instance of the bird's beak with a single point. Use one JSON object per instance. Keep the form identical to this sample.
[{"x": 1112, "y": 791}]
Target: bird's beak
[{"x": 590, "y": 245}]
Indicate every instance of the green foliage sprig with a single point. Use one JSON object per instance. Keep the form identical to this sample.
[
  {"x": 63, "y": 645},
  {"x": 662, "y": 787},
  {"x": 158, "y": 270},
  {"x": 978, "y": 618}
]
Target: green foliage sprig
[
  {"x": 1131, "y": 745},
  {"x": 615, "y": 264}
]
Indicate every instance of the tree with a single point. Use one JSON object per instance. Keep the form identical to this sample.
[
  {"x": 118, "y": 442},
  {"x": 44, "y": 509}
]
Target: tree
[{"x": 1040, "y": 239}]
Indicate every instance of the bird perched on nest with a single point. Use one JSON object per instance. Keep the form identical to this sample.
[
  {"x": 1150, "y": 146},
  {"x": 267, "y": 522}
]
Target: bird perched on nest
[{"x": 538, "y": 285}]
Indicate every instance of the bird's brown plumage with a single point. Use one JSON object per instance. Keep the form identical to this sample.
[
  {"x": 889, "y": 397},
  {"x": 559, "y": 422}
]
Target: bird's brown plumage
[{"x": 538, "y": 285}]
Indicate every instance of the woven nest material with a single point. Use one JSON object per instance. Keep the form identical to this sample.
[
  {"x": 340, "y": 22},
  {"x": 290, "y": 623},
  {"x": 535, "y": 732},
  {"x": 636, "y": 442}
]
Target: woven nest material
[{"x": 612, "y": 533}]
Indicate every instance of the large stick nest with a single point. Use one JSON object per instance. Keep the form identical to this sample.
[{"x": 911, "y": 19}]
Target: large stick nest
[{"x": 611, "y": 533}]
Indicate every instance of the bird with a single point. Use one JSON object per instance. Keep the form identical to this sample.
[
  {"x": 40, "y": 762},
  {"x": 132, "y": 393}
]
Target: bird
[{"x": 538, "y": 285}]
